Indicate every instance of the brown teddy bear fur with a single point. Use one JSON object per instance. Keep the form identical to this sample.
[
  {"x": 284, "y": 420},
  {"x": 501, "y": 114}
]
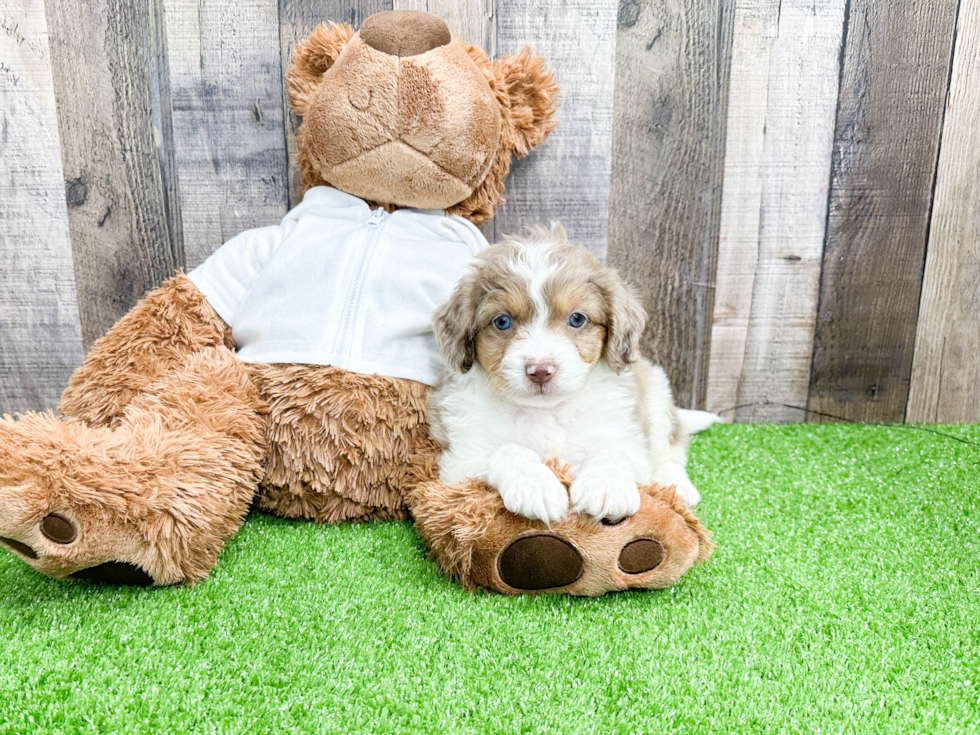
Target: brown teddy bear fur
[
  {"x": 467, "y": 527},
  {"x": 162, "y": 490},
  {"x": 342, "y": 446},
  {"x": 167, "y": 439}
]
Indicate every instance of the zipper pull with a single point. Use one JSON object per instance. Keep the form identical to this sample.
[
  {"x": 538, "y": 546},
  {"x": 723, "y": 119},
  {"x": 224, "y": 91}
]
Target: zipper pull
[{"x": 377, "y": 217}]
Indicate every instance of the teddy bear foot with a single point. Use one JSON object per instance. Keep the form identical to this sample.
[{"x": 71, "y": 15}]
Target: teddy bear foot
[
  {"x": 482, "y": 544},
  {"x": 650, "y": 550},
  {"x": 151, "y": 501},
  {"x": 51, "y": 514},
  {"x": 73, "y": 565},
  {"x": 132, "y": 506}
]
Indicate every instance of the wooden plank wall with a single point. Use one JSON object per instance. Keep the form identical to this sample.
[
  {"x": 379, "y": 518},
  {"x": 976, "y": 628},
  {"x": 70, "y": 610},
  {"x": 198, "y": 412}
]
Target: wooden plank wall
[
  {"x": 668, "y": 148},
  {"x": 40, "y": 332},
  {"x": 889, "y": 118},
  {"x": 768, "y": 273},
  {"x": 226, "y": 91},
  {"x": 946, "y": 369},
  {"x": 792, "y": 184}
]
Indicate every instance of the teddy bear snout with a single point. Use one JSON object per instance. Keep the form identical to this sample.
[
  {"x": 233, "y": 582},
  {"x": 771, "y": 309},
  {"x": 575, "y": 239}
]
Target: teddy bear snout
[{"x": 404, "y": 32}]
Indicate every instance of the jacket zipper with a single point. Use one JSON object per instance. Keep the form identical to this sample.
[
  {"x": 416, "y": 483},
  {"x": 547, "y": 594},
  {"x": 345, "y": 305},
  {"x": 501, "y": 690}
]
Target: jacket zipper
[{"x": 374, "y": 225}]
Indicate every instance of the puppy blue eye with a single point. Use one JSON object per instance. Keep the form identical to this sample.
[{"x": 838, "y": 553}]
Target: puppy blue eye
[
  {"x": 576, "y": 320},
  {"x": 502, "y": 322}
]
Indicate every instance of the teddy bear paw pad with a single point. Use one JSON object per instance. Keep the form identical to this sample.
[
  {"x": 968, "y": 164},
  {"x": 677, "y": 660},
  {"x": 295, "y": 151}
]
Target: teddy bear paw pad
[
  {"x": 58, "y": 529},
  {"x": 641, "y": 555},
  {"x": 539, "y": 562},
  {"x": 18, "y": 546}
]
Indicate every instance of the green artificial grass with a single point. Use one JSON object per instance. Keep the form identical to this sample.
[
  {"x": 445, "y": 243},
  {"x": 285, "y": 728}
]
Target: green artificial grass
[{"x": 844, "y": 596}]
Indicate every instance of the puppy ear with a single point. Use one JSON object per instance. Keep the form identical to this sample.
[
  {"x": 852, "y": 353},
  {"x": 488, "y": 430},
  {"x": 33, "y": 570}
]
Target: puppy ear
[
  {"x": 625, "y": 322},
  {"x": 455, "y": 327},
  {"x": 311, "y": 59},
  {"x": 528, "y": 96}
]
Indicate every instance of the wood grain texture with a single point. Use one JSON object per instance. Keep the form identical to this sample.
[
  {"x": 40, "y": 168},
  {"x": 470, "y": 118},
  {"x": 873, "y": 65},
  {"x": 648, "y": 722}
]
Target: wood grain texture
[
  {"x": 784, "y": 82},
  {"x": 567, "y": 178},
  {"x": 296, "y": 19},
  {"x": 163, "y": 129},
  {"x": 226, "y": 83},
  {"x": 668, "y": 150},
  {"x": 755, "y": 31},
  {"x": 946, "y": 367},
  {"x": 889, "y": 117},
  {"x": 117, "y": 207},
  {"x": 40, "y": 337}
]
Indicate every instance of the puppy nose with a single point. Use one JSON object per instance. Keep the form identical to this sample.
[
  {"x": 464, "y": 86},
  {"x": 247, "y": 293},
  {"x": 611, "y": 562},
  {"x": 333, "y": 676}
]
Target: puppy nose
[
  {"x": 540, "y": 372},
  {"x": 404, "y": 32}
]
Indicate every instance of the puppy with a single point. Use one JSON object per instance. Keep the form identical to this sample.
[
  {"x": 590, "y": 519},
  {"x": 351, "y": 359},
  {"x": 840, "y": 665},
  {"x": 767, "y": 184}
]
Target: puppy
[{"x": 541, "y": 344}]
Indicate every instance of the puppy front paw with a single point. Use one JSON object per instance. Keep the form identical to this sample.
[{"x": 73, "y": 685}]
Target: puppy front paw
[
  {"x": 536, "y": 494},
  {"x": 677, "y": 476},
  {"x": 601, "y": 495}
]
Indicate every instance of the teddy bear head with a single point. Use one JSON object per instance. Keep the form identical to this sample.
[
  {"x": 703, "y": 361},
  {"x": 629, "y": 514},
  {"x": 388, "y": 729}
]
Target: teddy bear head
[{"x": 404, "y": 114}]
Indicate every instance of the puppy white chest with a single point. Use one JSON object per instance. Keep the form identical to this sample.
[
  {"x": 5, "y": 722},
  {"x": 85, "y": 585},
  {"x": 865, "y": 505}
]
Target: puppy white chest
[
  {"x": 572, "y": 432},
  {"x": 598, "y": 418}
]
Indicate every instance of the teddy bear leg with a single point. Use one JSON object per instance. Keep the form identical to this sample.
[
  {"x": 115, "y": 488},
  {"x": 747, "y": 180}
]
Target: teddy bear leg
[
  {"x": 151, "y": 501},
  {"x": 342, "y": 446},
  {"x": 158, "y": 334},
  {"x": 480, "y": 543}
]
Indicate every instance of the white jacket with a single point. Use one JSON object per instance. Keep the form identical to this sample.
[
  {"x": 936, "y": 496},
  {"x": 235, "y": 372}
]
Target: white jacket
[{"x": 339, "y": 284}]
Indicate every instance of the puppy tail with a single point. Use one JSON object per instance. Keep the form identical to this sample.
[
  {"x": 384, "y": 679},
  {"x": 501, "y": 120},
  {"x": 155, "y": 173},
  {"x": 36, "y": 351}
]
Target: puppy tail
[{"x": 694, "y": 421}]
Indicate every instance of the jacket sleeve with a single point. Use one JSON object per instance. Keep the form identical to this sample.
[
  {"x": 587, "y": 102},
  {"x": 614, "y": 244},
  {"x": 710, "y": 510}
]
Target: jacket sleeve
[{"x": 227, "y": 277}]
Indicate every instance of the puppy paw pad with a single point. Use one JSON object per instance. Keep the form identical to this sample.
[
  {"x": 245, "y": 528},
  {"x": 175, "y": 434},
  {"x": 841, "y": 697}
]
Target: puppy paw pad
[
  {"x": 539, "y": 562},
  {"x": 641, "y": 555},
  {"x": 115, "y": 572},
  {"x": 59, "y": 529}
]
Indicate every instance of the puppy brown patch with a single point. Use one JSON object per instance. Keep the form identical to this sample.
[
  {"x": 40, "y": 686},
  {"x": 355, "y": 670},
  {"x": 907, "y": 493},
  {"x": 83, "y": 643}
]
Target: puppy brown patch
[
  {"x": 589, "y": 341},
  {"x": 508, "y": 298},
  {"x": 491, "y": 346},
  {"x": 470, "y": 309},
  {"x": 571, "y": 289}
]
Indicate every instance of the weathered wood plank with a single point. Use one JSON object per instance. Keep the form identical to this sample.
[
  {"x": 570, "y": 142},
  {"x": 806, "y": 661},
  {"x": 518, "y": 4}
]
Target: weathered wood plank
[
  {"x": 755, "y": 31},
  {"x": 889, "y": 117},
  {"x": 783, "y": 96},
  {"x": 103, "y": 54},
  {"x": 40, "y": 336},
  {"x": 296, "y": 19},
  {"x": 946, "y": 367},
  {"x": 567, "y": 179},
  {"x": 163, "y": 129},
  {"x": 226, "y": 83},
  {"x": 668, "y": 148}
]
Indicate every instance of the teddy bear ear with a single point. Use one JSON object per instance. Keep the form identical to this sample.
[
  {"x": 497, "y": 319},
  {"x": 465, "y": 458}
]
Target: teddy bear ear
[
  {"x": 311, "y": 59},
  {"x": 528, "y": 95}
]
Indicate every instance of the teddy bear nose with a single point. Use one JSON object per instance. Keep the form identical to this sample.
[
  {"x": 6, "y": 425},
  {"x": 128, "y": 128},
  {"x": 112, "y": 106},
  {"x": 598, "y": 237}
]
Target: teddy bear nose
[{"x": 404, "y": 32}]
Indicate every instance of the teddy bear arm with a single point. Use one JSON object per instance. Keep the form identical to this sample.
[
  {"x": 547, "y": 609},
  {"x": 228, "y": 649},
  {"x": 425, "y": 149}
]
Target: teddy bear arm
[{"x": 161, "y": 332}]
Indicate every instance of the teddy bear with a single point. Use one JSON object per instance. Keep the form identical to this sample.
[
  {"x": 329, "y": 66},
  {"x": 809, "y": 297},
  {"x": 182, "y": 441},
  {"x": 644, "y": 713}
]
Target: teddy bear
[{"x": 289, "y": 372}]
